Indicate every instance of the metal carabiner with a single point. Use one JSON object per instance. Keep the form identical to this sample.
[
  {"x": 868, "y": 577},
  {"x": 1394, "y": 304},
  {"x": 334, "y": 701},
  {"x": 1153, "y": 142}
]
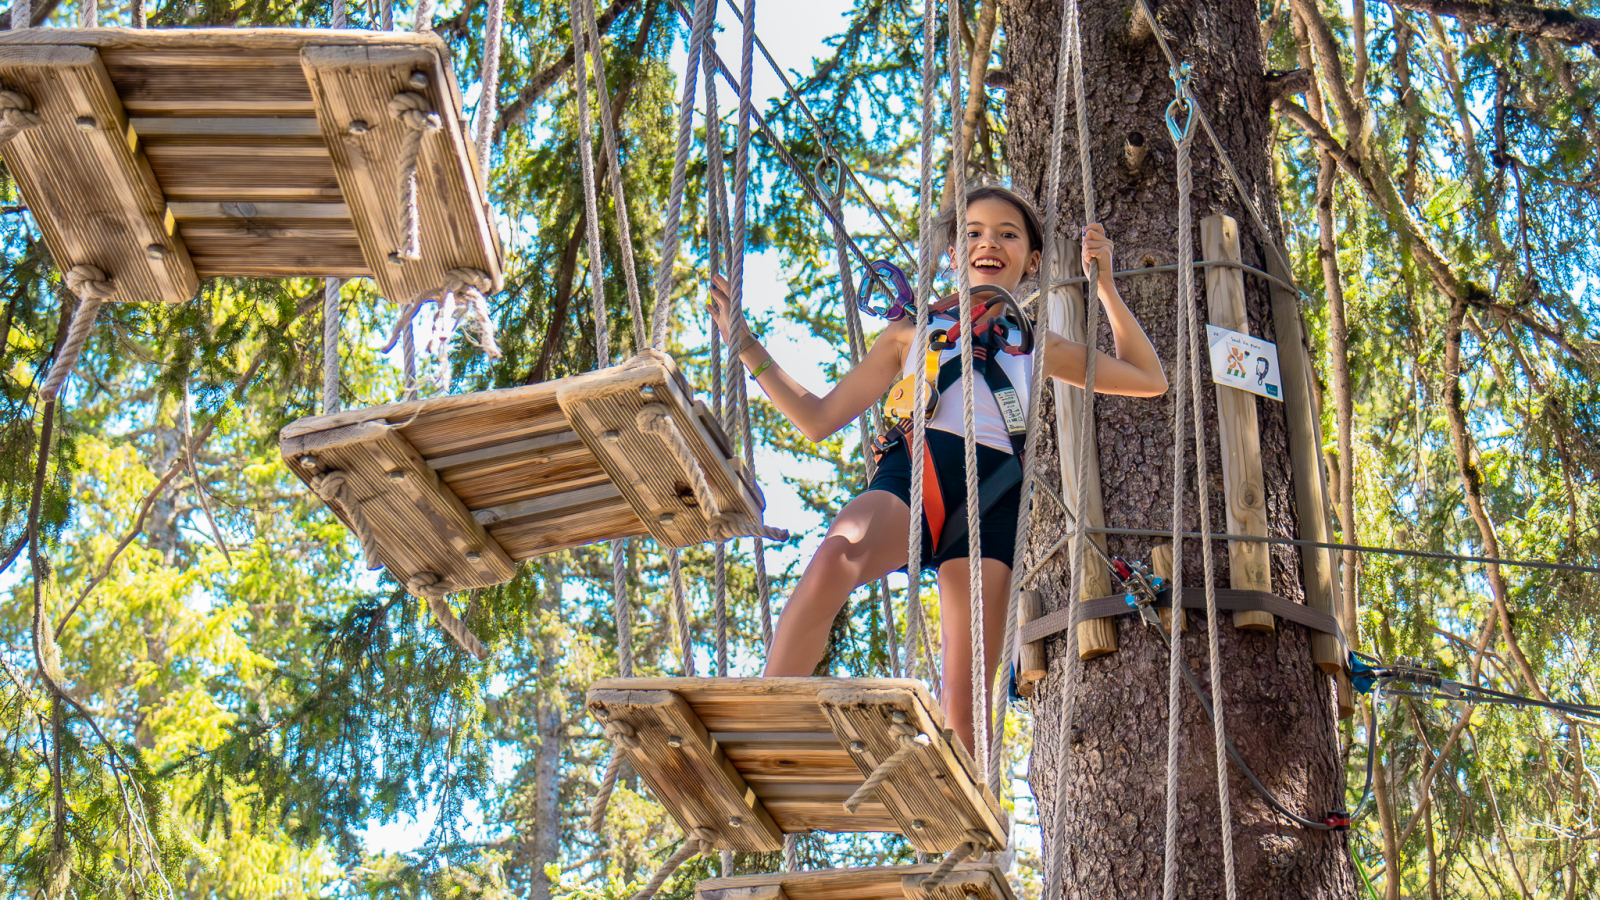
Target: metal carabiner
[
  {"x": 1180, "y": 86},
  {"x": 819, "y": 173},
  {"x": 897, "y": 290}
]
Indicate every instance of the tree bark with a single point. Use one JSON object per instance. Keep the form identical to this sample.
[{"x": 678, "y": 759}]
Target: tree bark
[{"x": 1277, "y": 704}]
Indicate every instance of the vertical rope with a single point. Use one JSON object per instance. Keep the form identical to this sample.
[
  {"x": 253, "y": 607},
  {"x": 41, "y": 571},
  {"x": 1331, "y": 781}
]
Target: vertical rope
[
  {"x": 408, "y": 359},
  {"x": 704, "y": 12},
  {"x": 1036, "y": 382},
  {"x": 489, "y": 101},
  {"x": 624, "y": 609},
  {"x": 958, "y": 175},
  {"x": 1203, "y": 500},
  {"x": 1180, "y": 399},
  {"x": 338, "y": 18},
  {"x": 591, "y": 205},
  {"x": 332, "y": 320},
  {"x": 680, "y": 613},
  {"x": 791, "y": 852},
  {"x": 21, "y": 15},
  {"x": 1085, "y": 436},
  {"x": 89, "y": 14},
  {"x": 927, "y": 254},
  {"x": 424, "y": 16},
  {"x": 608, "y": 142},
  {"x": 716, "y": 234},
  {"x": 386, "y": 13}
]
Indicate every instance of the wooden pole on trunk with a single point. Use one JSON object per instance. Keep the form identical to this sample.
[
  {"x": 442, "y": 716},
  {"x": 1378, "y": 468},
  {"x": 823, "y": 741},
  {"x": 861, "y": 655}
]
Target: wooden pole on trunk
[
  {"x": 1096, "y": 637},
  {"x": 1032, "y": 666},
  {"x": 1243, "y": 485}
]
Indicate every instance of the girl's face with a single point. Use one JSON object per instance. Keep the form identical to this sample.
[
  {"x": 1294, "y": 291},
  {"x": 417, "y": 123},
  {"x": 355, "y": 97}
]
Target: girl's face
[{"x": 998, "y": 250}]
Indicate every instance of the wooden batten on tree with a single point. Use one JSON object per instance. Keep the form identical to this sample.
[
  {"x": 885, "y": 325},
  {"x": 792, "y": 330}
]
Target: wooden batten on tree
[
  {"x": 1096, "y": 637},
  {"x": 1243, "y": 485},
  {"x": 163, "y": 157},
  {"x": 969, "y": 881},
  {"x": 1032, "y": 664},
  {"x": 753, "y": 759},
  {"x": 462, "y": 487}
]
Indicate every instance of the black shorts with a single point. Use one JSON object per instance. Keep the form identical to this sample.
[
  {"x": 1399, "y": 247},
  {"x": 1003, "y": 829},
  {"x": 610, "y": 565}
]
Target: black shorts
[{"x": 997, "y": 529}]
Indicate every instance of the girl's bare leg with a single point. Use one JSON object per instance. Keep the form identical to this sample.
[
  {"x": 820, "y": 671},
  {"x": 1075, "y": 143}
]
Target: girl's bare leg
[
  {"x": 955, "y": 614},
  {"x": 866, "y": 542}
]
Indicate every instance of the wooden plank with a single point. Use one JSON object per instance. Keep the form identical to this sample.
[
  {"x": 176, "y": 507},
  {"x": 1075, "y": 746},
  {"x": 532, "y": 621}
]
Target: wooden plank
[
  {"x": 212, "y": 40},
  {"x": 1305, "y": 456},
  {"x": 498, "y": 452},
  {"x": 356, "y": 83},
  {"x": 1096, "y": 637},
  {"x": 601, "y": 407},
  {"x": 1032, "y": 665},
  {"x": 1243, "y": 485},
  {"x": 524, "y": 509},
  {"x": 687, "y": 768},
  {"x": 934, "y": 796},
  {"x": 573, "y": 527},
  {"x": 419, "y": 525},
  {"x": 194, "y": 210},
  {"x": 983, "y": 880},
  {"x": 90, "y": 189},
  {"x": 206, "y": 177}
]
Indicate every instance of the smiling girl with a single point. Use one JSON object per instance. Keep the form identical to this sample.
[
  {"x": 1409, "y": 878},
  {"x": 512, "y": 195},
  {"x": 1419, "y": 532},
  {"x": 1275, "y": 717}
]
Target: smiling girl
[{"x": 868, "y": 539}]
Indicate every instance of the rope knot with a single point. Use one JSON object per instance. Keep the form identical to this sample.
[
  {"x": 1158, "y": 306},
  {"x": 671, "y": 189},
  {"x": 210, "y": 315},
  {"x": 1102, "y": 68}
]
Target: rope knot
[
  {"x": 93, "y": 288},
  {"x": 16, "y": 115},
  {"x": 431, "y": 588},
  {"x": 910, "y": 739},
  {"x": 413, "y": 108},
  {"x": 90, "y": 282},
  {"x": 973, "y": 843},
  {"x": 704, "y": 838},
  {"x": 417, "y": 113},
  {"x": 623, "y": 735}
]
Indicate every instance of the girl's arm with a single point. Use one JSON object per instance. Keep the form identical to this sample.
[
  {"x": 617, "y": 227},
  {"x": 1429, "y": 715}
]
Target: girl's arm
[
  {"x": 1136, "y": 369},
  {"x": 816, "y": 417}
]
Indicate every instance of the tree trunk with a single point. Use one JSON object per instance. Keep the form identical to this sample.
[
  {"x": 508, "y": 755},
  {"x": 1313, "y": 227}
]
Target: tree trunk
[{"x": 1278, "y": 706}]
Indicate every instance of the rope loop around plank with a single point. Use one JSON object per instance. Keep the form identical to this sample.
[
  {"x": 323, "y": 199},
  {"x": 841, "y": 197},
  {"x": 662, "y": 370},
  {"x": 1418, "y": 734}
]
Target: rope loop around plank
[
  {"x": 413, "y": 109},
  {"x": 93, "y": 288},
  {"x": 426, "y": 585},
  {"x": 16, "y": 115},
  {"x": 334, "y": 490},
  {"x": 697, "y": 841},
  {"x": 910, "y": 739},
  {"x": 976, "y": 842}
]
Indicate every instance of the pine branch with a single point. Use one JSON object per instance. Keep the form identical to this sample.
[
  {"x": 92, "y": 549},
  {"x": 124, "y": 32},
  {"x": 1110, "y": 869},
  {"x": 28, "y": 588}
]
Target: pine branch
[
  {"x": 517, "y": 110},
  {"x": 1540, "y": 21}
]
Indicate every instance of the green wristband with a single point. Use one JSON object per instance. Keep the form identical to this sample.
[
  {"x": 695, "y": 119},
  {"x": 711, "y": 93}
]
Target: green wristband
[{"x": 756, "y": 373}]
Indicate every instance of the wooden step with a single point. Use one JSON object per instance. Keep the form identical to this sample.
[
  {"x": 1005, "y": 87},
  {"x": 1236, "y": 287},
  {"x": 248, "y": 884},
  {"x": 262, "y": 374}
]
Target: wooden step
[
  {"x": 969, "y": 881},
  {"x": 505, "y": 475},
  {"x": 141, "y": 126},
  {"x": 790, "y": 751}
]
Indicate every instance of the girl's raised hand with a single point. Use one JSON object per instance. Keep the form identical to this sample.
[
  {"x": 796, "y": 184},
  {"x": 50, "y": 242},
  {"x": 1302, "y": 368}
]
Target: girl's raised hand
[
  {"x": 1097, "y": 247},
  {"x": 734, "y": 330}
]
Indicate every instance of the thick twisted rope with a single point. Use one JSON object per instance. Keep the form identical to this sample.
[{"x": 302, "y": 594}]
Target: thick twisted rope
[
  {"x": 1036, "y": 382},
  {"x": 656, "y": 419},
  {"x": 716, "y": 234},
  {"x": 338, "y": 17},
  {"x": 622, "y": 738},
  {"x": 976, "y": 842},
  {"x": 969, "y": 428},
  {"x": 910, "y": 740},
  {"x": 461, "y": 298},
  {"x": 699, "y": 840},
  {"x": 591, "y": 203},
  {"x": 332, "y": 320},
  {"x": 411, "y": 108},
  {"x": 408, "y": 361},
  {"x": 671, "y": 237},
  {"x": 426, "y": 585},
  {"x": 22, "y": 15},
  {"x": 927, "y": 253},
  {"x": 16, "y": 115},
  {"x": 608, "y": 143},
  {"x": 333, "y": 488},
  {"x": 624, "y": 609},
  {"x": 680, "y": 613},
  {"x": 92, "y": 288},
  {"x": 1180, "y": 399},
  {"x": 489, "y": 100},
  {"x": 424, "y": 16},
  {"x": 1085, "y": 429},
  {"x": 1203, "y": 498}
]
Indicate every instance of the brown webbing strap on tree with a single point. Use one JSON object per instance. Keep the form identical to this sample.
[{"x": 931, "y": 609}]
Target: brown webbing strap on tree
[{"x": 1228, "y": 600}]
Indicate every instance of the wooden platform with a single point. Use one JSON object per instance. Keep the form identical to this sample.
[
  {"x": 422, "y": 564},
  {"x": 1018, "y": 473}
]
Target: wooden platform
[
  {"x": 969, "y": 881},
  {"x": 754, "y": 759},
  {"x": 168, "y": 156},
  {"x": 463, "y": 487}
]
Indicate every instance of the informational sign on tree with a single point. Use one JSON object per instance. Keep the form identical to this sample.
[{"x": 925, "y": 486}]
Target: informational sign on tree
[{"x": 1245, "y": 362}]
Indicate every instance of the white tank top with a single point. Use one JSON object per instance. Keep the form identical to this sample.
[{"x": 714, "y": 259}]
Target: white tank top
[{"x": 991, "y": 426}]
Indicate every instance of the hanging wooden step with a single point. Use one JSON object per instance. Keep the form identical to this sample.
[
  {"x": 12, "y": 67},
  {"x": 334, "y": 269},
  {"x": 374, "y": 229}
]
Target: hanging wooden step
[
  {"x": 168, "y": 156},
  {"x": 463, "y": 487},
  {"x": 753, "y": 759},
  {"x": 969, "y": 881}
]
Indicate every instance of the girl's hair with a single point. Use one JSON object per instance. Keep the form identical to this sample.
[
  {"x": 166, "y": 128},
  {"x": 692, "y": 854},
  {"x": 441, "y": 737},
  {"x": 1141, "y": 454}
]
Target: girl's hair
[{"x": 945, "y": 225}]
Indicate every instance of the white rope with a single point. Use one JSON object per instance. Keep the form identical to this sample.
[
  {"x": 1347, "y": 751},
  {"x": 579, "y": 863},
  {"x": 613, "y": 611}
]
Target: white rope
[
  {"x": 1086, "y": 435},
  {"x": 699, "y": 840},
  {"x": 408, "y": 361},
  {"x": 462, "y": 299},
  {"x": 332, "y": 319},
  {"x": 927, "y": 254},
  {"x": 337, "y": 18},
  {"x": 489, "y": 101},
  {"x": 680, "y": 613},
  {"x": 976, "y": 842},
  {"x": 791, "y": 852},
  {"x": 386, "y": 14},
  {"x": 716, "y": 234},
  {"x": 89, "y": 14},
  {"x": 614, "y": 172},
  {"x": 704, "y": 13},
  {"x": 333, "y": 488},
  {"x": 1036, "y": 382},
  {"x": 426, "y": 585},
  {"x": 591, "y": 203},
  {"x": 21, "y": 15},
  {"x": 424, "y": 16},
  {"x": 958, "y": 170},
  {"x": 411, "y": 108},
  {"x": 1180, "y": 399},
  {"x": 909, "y": 741},
  {"x": 16, "y": 115},
  {"x": 1203, "y": 499},
  {"x": 92, "y": 288}
]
